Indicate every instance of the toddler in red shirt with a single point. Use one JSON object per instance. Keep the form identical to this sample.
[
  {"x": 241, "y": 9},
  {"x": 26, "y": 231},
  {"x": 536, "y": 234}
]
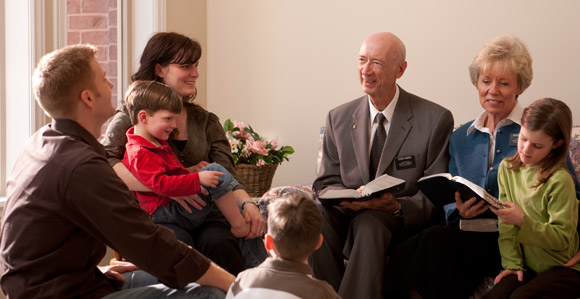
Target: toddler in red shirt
[{"x": 153, "y": 108}]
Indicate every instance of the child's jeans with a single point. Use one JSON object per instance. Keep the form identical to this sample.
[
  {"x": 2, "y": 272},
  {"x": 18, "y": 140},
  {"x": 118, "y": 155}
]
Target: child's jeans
[{"x": 176, "y": 214}]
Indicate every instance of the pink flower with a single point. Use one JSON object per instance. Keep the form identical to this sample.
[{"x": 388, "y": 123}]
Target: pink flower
[
  {"x": 260, "y": 163},
  {"x": 239, "y": 124},
  {"x": 258, "y": 147},
  {"x": 274, "y": 144},
  {"x": 242, "y": 135}
]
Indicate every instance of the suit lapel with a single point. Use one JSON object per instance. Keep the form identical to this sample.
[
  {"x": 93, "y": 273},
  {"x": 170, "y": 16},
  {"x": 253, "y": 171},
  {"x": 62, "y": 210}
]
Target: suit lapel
[
  {"x": 399, "y": 129},
  {"x": 359, "y": 134}
]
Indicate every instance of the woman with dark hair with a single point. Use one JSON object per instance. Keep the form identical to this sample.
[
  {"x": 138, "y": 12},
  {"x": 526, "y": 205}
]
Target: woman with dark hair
[{"x": 199, "y": 140}]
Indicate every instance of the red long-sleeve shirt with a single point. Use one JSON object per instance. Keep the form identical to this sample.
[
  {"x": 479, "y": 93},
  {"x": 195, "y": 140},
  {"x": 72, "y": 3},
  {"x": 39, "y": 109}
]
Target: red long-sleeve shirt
[{"x": 159, "y": 170}]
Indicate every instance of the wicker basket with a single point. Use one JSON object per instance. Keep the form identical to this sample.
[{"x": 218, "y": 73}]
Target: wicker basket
[{"x": 256, "y": 179}]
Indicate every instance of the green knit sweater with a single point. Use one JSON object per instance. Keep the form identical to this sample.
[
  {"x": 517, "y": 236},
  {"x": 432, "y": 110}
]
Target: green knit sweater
[{"x": 548, "y": 236}]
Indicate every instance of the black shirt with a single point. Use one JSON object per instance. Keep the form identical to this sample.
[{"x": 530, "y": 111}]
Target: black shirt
[{"x": 65, "y": 203}]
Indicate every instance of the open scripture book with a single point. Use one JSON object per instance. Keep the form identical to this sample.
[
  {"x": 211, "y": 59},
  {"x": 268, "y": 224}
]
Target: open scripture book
[
  {"x": 440, "y": 188},
  {"x": 383, "y": 184}
]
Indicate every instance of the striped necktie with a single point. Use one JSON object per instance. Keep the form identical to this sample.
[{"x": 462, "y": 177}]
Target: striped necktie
[{"x": 377, "y": 146}]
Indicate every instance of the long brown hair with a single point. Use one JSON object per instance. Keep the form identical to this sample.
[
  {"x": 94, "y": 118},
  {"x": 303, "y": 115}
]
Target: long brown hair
[
  {"x": 554, "y": 118},
  {"x": 164, "y": 48}
]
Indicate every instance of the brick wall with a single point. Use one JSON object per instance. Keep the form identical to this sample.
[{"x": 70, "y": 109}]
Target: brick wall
[{"x": 95, "y": 22}]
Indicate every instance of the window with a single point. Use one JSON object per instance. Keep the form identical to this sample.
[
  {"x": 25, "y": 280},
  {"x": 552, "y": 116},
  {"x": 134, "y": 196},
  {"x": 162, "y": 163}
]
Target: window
[
  {"x": 95, "y": 22},
  {"x": 19, "y": 112},
  {"x": 2, "y": 106},
  {"x": 32, "y": 28}
]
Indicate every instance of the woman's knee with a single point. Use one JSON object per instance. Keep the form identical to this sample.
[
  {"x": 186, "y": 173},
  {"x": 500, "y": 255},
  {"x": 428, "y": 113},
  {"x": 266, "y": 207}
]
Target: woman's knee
[
  {"x": 220, "y": 246},
  {"x": 181, "y": 234},
  {"x": 216, "y": 239}
]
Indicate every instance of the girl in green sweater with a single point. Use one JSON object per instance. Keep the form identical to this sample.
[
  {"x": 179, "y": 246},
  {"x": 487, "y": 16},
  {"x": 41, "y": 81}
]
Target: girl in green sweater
[{"x": 537, "y": 226}]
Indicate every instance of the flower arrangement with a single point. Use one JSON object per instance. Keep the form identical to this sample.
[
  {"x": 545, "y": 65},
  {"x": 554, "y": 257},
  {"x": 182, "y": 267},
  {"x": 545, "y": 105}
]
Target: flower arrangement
[{"x": 249, "y": 148}]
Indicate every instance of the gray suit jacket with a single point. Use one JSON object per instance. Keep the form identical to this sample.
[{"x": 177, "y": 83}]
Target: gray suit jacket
[{"x": 416, "y": 146}]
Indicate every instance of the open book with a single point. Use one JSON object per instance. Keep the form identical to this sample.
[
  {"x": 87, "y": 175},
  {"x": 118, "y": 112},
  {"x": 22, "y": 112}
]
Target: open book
[
  {"x": 384, "y": 183},
  {"x": 440, "y": 188}
]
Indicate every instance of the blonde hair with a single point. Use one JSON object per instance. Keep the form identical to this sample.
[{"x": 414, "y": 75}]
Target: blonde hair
[
  {"x": 61, "y": 76},
  {"x": 150, "y": 96},
  {"x": 295, "y": 225},
  {"x": 504, "y": 53},
  {"x": 554, "y": 118}
]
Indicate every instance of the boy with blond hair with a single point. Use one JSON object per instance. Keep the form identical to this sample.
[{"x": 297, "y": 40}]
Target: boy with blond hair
[
  {"x": 153, "y": 108},
  {"x": 294, "y": 232}
]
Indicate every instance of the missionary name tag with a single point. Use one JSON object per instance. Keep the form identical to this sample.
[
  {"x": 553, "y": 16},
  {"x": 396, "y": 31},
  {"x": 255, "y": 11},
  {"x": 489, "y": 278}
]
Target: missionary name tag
[
  {"x": 405, "y": 162},
  {"x": 514, "y": 139}
]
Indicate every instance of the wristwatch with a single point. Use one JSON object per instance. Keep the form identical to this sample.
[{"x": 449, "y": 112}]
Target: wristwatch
[
  {"x": 248, "y": 202},
  {"x": 399, "y": 212}
]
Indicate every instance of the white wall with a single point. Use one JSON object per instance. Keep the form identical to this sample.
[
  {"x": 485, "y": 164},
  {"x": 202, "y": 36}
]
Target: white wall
[
  {"x": 281, "y": 65},
  {"x": 189, "y": 18}
]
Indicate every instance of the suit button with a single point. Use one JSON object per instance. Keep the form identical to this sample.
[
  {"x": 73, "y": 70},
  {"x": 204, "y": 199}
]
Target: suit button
[
  {"x": 491, "y": 169},
  {"x": 498, "y": 151}
]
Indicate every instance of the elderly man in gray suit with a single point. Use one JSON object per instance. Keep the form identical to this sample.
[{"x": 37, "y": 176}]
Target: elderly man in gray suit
[{"x": 391, "y": 131}]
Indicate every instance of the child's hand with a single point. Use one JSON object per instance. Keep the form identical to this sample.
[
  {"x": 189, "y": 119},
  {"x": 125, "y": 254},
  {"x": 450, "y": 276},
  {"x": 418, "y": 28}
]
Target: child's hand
[
  {"x": 512, "y": 214},
  {"x": 210, "y": 178},
  {"x": 505, "y": 273},
  {"x": 575, "y": 259},
  {"x": 193, "y": 200}
]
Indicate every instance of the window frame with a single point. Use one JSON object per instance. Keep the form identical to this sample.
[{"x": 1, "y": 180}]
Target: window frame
[{"x": 42, "y": 24}]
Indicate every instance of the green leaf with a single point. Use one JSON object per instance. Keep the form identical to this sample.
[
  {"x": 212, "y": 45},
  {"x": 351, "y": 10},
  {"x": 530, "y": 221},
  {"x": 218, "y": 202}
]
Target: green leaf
[
  {"x": 228, "y": 125},
  {"x": 287, "y": 149}
]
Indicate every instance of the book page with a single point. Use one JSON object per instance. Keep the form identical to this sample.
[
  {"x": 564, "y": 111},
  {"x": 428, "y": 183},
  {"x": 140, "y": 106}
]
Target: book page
[
  {"x": 383, "y": 182},
  {"x": 476, "y": 188},
  {"x": 494, "y": 202},
  {"x": 340, "y": 193},
  {"x": 443, "y": 175}
]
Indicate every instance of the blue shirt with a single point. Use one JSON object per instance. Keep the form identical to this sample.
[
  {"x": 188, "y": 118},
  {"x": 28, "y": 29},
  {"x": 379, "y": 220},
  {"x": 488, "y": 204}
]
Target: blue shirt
[{"x": 469, "y": 158}]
